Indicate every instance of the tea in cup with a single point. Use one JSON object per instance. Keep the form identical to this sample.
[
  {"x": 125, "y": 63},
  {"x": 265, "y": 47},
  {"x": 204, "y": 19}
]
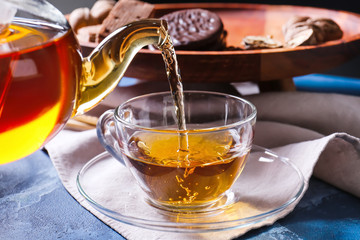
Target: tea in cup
[{"x": 187, "y": 169}]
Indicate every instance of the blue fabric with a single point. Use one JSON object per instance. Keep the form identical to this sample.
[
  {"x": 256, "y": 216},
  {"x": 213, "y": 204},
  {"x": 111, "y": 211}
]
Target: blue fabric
[{"x": 328, "y": 83}]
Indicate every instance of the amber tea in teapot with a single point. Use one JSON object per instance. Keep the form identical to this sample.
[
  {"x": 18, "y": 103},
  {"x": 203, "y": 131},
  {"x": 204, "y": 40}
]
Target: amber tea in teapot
[{"x": 38, "y": 87}]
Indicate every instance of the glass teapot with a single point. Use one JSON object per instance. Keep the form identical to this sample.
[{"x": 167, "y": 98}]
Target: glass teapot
[{"x": 44, "y": 80}]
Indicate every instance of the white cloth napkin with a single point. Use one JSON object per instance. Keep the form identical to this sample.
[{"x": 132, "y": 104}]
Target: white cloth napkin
[{"x": 335, "y": 158}]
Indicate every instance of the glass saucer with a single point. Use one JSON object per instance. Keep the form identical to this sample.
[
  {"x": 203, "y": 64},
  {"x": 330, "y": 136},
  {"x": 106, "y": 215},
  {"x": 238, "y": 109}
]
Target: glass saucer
[{"x": 268, "y": 185}]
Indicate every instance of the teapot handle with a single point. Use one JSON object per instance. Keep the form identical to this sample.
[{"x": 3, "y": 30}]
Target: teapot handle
[{"x": 106, "y": 132}]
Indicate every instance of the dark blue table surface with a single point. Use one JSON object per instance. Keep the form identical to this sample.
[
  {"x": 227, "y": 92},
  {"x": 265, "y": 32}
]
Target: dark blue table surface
[{"x": 35, "y": 205}]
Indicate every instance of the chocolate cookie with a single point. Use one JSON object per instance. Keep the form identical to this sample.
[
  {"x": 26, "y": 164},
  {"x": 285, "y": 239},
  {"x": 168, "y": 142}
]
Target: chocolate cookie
[{"x": 196, "y": 29}]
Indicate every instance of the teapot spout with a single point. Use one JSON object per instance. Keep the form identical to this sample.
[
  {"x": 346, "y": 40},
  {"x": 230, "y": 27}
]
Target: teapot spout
[{"x": 106, "y": 65}]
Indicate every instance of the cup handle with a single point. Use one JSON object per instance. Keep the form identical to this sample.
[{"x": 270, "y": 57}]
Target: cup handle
[{"x": 106, "y": 132}]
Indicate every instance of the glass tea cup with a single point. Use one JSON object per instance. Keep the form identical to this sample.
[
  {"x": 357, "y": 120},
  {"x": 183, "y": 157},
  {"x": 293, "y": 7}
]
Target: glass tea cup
[{"x": 181, "y": 170}]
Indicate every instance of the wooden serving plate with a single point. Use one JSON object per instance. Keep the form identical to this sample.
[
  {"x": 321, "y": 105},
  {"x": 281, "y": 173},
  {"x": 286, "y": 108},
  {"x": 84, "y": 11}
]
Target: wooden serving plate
[{"x": 241, "y": 20}]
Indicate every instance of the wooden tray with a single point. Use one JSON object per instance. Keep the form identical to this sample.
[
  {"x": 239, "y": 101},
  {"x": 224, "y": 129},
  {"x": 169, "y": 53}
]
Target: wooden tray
[{"x": 241, "y": 20}]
